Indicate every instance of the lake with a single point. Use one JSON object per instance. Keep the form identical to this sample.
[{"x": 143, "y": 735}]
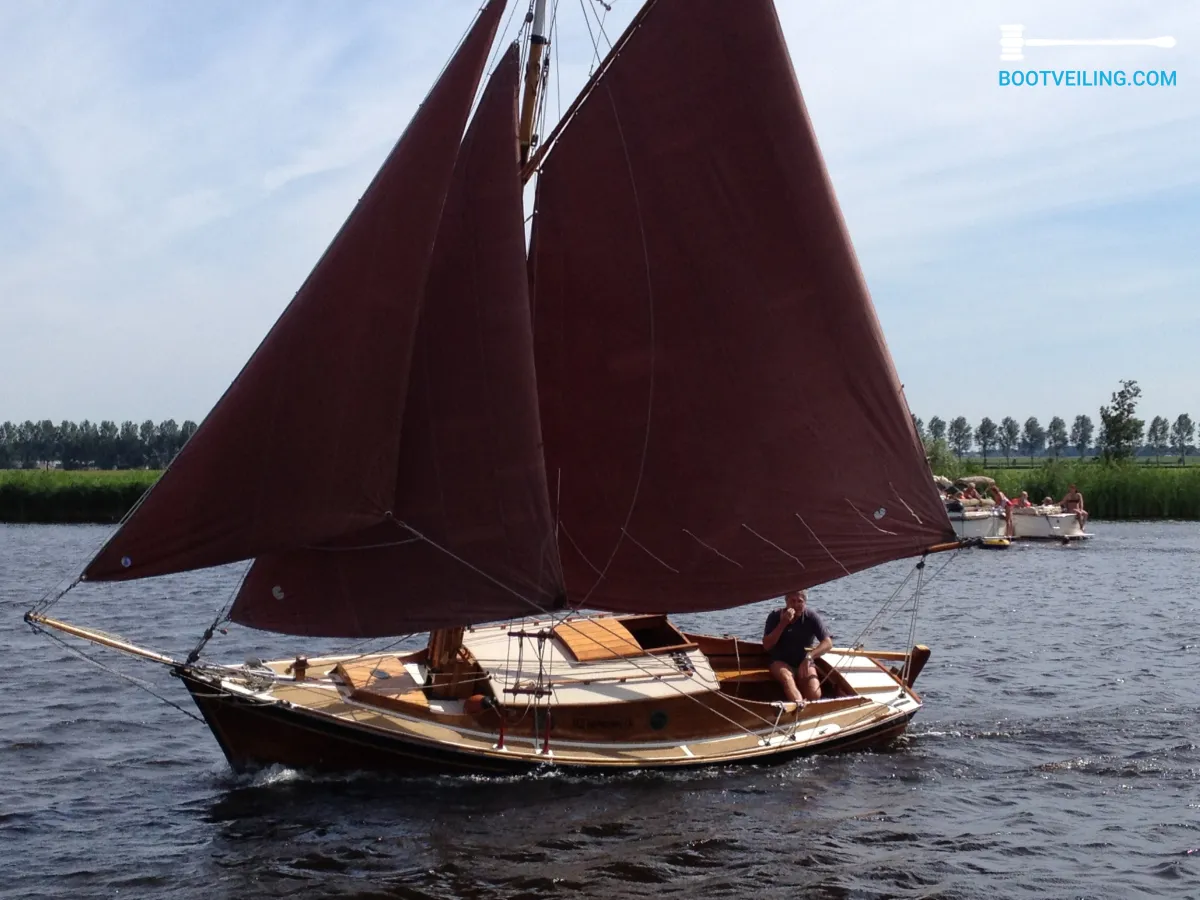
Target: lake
[{"x": 1057, "y": 756}]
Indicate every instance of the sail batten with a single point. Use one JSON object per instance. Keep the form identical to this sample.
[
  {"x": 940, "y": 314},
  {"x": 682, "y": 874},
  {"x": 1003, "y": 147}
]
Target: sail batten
[
  {"x": 715, "y": 388},
  {"x": 302, "y": 446}
]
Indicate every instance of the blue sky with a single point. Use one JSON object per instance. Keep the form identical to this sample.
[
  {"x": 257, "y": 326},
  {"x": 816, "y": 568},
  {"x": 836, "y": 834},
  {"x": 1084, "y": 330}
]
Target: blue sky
[{"x": 169, "y": 172}]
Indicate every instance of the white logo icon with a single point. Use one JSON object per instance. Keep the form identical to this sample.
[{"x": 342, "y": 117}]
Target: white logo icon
[{"x": 1013, "y": 41}]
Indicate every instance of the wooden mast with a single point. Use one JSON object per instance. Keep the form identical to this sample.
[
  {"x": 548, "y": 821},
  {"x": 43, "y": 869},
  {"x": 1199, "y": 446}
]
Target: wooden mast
[
  {"x": 445, "y": 643},
  {"x": 538, "y": 41}
]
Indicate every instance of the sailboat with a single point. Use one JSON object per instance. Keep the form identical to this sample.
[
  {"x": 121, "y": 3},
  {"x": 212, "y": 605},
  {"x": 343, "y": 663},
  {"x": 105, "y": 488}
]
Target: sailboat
[{"x": 672, "y": 396}]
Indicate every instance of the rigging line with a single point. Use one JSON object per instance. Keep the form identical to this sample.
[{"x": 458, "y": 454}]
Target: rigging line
[
  {"x": 600, "y": 21},
  {"x": 500, "y": 44},
  {"x": 822, "y": 543},
  {"x": 595, "y": 44},
  {"x": 637, "y": 202},
  {"x": 590, "y": 564},
  {"x": 363, "y": 546},
  {"x": 670, "y": 667},
  {"x": 478, "y": 571},
  {"x": 131, "y": 679},
  {"x": 554, "y": 50},
  {"x": 222, "y": 616},
  {"x": 912, "y": 627},
  {"x": 871, "y": 624},
  {"x": 53, "y": 595}
]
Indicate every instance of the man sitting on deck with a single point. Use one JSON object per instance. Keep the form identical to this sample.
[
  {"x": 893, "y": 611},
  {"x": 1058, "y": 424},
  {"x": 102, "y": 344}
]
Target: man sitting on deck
[{"x": 789, "y": 637}]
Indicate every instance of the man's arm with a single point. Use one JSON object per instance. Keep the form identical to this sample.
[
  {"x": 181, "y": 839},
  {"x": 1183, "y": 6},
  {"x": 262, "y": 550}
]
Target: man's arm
[
  {"x": 771, "y": 638},
  {"x": 822, "y": 648}
]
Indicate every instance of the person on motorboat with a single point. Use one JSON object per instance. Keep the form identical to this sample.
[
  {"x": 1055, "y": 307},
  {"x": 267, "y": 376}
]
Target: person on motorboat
[
  {"x": 1022, "y": 502},
  {"x": 1073, "y": 502},
  {"x": 789, "y": 637},
  {"x": 970, "y": 492},
  {"x": 1003, "y": 503}
]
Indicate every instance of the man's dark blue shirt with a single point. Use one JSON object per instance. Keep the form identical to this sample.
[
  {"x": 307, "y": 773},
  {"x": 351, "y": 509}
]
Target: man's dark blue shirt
[{"x": 806, "y": 630}]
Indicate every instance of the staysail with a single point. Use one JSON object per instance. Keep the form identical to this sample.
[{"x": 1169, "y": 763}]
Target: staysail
[
  {"x": 469, "y": 537},
  {"x": 302, "y": 447},
  {"x": 720, "y": 411}
]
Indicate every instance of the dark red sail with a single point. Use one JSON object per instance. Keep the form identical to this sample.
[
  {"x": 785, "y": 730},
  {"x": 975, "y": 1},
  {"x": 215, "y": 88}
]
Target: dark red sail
[
  {"x": 471, "y": 536},
  {"x": 719, "y": 408},
  {"x": 302, "y": 448}
]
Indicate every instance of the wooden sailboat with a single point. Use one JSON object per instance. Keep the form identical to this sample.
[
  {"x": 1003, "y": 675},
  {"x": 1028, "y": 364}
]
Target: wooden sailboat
[{"x": 677, "y": 398}]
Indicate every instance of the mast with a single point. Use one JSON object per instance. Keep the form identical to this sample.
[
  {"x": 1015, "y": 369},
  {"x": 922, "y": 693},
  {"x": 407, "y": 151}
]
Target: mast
[{"x": 538, "y": 41}]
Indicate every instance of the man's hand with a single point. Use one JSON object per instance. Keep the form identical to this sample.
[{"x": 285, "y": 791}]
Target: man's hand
[{"x": 788, "y": 617}]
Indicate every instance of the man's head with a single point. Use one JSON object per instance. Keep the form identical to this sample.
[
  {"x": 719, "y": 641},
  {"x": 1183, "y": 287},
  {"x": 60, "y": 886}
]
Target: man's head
[
  {"x": 796, "y": 600},
  {"x": 1071, "y": 488}
]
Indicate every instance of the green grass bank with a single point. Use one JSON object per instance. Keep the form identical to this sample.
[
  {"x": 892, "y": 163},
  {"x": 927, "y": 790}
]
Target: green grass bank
[
  {"x": 1132, "y": 491},
  {"x": 70, "y": 497}
]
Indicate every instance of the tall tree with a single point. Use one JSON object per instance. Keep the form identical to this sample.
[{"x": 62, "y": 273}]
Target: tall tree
[
  {"x": 107, "y": 450},
  {"x": 985, "y": 437},
  {"x": 70, "y": 445},
  {"x": 26, "y": 444},
  {"x": 1010, "y": 431},
  {"x": 166, "y": 443},
  {"x": 1056, "y": 436},
  {"x": 960, "y": 435},
  {"x": 919, "y": 425},
  {"x": 49, "y": 444},
  {"x": 1120, "y": 429},
  {"x": 148, "y": 438},
  {"x": 1182, "y": 433},
  {"x": 8, "y": 433},
  {"x": 1033, "y": 438},
  {"x": 937, "y": 429},
  {"x": 1081, "y": 434},
  {"x": 1156, "y": 437},
  {"x": 129, "y": 447}
]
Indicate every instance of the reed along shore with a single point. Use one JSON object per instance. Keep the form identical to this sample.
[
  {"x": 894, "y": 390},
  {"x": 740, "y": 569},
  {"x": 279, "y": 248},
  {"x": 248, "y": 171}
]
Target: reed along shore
[
  {"x": 1120, "y": 491},
  {"x": 1132, "y": 491},
  {"x": 55, "y": 496}
]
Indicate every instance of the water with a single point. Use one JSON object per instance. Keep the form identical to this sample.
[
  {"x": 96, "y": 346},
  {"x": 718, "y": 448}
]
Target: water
[{"x": 1057, "y": 756}]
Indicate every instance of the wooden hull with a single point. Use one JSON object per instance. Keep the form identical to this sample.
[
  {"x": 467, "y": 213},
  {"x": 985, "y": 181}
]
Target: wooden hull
[
  {"x": 254, "y": 736},
  {"x": 712, "y": 703}
]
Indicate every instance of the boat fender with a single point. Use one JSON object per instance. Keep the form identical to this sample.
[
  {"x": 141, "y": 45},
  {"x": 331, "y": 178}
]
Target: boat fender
[{"x": 477, "y": 703}]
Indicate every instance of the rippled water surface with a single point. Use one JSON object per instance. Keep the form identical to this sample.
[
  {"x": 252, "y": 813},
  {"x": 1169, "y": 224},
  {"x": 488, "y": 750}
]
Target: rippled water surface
[{"x": 1057, "y": 756}]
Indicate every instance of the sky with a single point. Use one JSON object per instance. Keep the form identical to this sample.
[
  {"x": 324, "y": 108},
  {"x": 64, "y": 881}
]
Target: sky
[{"x": 170, "y": 172}]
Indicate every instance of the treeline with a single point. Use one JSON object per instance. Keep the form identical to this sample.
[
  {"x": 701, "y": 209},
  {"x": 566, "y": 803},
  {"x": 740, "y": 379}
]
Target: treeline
[
  {"x": 90, "y": 445},
  {"x": 1121, "y": 436}
]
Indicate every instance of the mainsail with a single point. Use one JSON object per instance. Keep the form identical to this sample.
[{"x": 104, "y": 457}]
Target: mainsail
[
  {"x": 718, "y": 403},
  {"x": 302, "y": 447},
  {"x": 690, "y": 335}
]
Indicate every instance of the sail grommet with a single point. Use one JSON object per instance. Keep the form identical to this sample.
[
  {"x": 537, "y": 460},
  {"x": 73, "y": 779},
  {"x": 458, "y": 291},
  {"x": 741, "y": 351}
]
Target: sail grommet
[
  {"x": 126, "y": 562},
  {"x": 880, "y": 513},
  {"x": 277, "y": 592}
]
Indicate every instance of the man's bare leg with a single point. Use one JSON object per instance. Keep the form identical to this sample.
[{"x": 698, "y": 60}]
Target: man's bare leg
[
  {"x": 782, "y": 673},
  {"x": 810, "y": 682}
]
